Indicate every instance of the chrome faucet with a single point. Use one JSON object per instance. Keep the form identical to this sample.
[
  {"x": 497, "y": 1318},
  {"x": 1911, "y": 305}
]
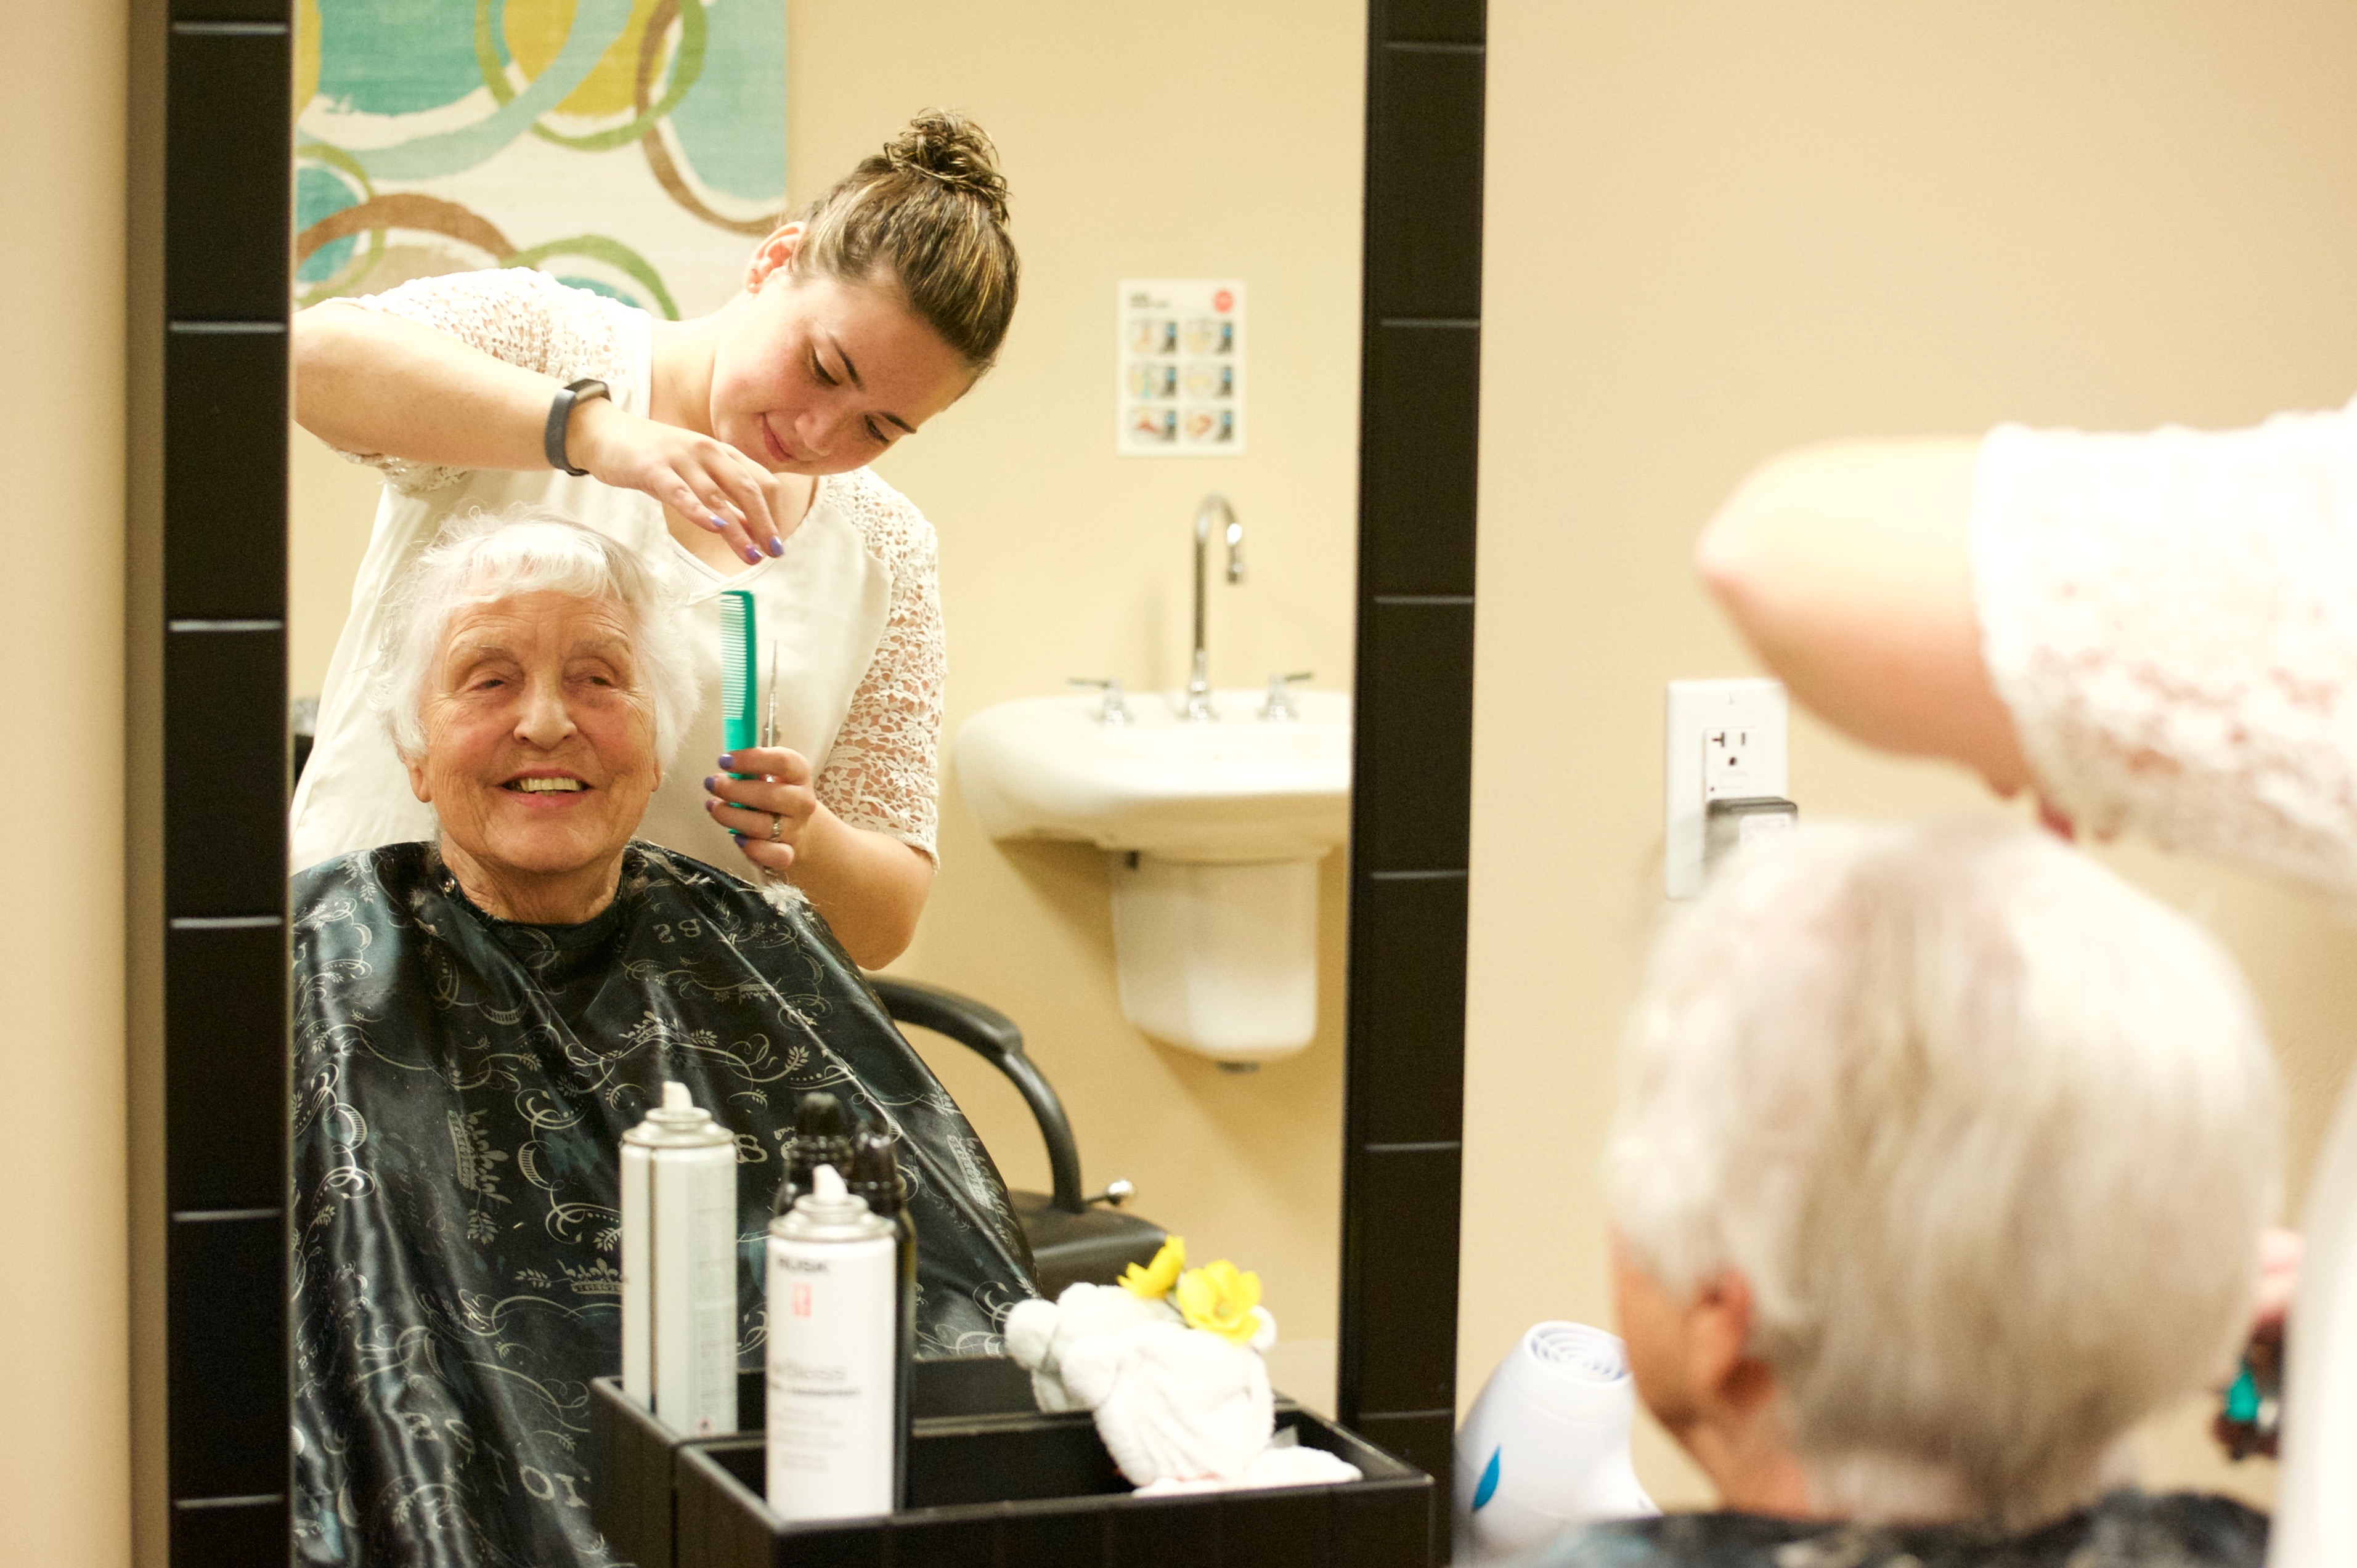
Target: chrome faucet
[{"x": 1199, "y": 682}]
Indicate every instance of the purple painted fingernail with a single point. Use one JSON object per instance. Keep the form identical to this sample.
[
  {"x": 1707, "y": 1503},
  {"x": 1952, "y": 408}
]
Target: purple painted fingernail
[
  {"x": 728, "y": 762},
  {"x": 710, "y": 782},
  {"x": 753, "y": 556},
  {"x": 718, "y": 522},
  {"x": 777, "y": 545}
]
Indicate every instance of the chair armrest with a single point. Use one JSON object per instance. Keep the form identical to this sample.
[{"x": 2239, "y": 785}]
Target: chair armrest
[{"x": 993, "y": 1035}]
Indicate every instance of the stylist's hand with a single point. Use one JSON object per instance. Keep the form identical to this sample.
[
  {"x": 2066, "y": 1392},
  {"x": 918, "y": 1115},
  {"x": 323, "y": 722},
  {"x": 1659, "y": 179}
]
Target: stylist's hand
[
  {"x": 702, "y": 478},
  {"x": 768, "y": 812}
]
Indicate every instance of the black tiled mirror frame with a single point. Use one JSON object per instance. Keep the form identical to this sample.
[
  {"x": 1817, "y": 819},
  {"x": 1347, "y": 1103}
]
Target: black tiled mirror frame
[
  {"x": 209, "y": 235},
  {"x": 210, "y": 139},
  {"x": 1419, "y": 387}
]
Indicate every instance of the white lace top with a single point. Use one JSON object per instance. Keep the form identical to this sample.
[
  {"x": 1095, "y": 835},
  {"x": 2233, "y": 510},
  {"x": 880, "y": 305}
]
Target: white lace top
[
  {"x": 851, "y": 607},
  {"x": 2171, "y": 618}
]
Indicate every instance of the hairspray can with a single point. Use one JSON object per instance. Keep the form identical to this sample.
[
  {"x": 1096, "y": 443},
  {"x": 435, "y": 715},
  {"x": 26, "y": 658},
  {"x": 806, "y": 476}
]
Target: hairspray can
[
  {"x": 678, "y": 1266},
  {"x": 833, "y": 1284}
]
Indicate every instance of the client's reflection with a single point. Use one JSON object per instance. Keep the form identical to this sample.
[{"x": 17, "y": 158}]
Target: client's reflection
[{"x": 477, "y": 1022}]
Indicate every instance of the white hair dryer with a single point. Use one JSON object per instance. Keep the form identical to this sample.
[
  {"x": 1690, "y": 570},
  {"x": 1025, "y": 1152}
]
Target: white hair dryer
[{"x": 1547, "y": 1447}]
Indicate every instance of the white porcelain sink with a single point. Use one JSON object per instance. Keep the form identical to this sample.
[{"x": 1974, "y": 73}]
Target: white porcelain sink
[
  {"x": 1240, "y": 788},
  {"x": 1215, "y": 829}
]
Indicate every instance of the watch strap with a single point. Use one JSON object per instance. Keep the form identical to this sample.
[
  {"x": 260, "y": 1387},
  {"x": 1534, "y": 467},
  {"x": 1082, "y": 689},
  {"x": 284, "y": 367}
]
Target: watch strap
[{"x": 559, "y": 415}]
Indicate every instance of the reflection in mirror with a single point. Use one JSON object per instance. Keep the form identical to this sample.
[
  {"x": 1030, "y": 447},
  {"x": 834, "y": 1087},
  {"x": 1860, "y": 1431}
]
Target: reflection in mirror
[{"x": 510, "y": 997}]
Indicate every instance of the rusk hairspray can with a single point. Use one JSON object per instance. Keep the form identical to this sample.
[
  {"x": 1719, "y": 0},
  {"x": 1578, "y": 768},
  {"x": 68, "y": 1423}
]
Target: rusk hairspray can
[
  {"x": 678, "y": 1266},
  {"x": 833, "y": 1288}
]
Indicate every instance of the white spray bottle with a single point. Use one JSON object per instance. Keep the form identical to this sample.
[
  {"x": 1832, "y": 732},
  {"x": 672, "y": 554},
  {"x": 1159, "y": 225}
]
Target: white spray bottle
[
  {"x": 833, "y": 1288},
  {"x": 1546, "y": 1446},
  {"x": 678, "y": 1266}
]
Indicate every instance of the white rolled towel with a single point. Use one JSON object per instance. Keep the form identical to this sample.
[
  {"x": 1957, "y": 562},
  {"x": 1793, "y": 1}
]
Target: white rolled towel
[
  {"x": 1040, "y": 1331},
  {"x": 1173, "y": 1402},
  {"x": 1276, "y": 1466}
]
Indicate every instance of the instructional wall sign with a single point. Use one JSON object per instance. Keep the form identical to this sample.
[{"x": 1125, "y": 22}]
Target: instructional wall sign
[{"x": 1180, "y": 368}]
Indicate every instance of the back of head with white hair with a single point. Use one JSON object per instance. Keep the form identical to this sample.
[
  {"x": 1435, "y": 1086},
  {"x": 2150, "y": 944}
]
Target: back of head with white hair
[
  {"x": 484, "y": 557},
  {"x": 1991, "y": 1134}
]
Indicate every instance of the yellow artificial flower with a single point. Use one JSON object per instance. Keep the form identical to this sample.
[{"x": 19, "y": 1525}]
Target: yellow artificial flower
[
  {"x": 1153, "y": 1281},
  {"x": 1220, "y": 1297}
]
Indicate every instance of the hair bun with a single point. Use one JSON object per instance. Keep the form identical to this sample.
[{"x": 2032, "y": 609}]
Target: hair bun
[{"x": 944, "y": 146}]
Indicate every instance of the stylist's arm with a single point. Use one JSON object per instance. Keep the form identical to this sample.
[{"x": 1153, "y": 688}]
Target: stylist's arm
[
  {"x": 871, "y": 887},
  {"x": 365, "y": 381}
]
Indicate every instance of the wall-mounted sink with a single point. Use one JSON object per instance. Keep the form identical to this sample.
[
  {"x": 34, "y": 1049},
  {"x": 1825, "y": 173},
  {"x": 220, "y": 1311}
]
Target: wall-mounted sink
[
  {"x": 1216, "y": 830},
  {"x": 1239, "y": 788}
]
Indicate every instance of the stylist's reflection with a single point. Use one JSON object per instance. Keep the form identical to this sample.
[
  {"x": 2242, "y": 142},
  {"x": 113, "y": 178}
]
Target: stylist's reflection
[
  {"x": 732, "y": 448},
  {"x": 478, "y": 1018}
]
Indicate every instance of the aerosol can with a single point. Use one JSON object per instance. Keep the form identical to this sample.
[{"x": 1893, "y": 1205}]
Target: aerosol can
[
  {"x": 678, "y": 1266},
  {"x": 833, "y": 1396}
]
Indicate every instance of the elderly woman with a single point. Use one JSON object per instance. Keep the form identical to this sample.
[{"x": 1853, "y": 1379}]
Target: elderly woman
[
  {"x": 480, "y": 1018},
  {"x": 1942, "y": 1161}
]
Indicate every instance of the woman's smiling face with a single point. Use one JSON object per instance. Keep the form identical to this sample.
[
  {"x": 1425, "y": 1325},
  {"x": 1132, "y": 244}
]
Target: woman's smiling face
[
  {"x": 820, "y": 376},
  {"x": 540, "y": 753}
]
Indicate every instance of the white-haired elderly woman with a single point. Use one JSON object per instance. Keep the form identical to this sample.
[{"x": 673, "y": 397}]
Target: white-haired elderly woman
[
  {"x": 478, "y": 1018},
  {"x": 1943, "y": 1160}
]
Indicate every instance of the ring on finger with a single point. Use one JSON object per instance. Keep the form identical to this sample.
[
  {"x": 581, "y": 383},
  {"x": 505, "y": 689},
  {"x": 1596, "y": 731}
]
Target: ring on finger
[{"x": 777, "y": 827}]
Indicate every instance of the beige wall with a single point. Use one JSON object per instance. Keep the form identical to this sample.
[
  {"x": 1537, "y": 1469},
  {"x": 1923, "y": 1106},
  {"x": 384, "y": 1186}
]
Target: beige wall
[
  {"x": 1208, "y": 140},
  {"x": 64, "y": 1315},
  {"x": 1716, "y": 232}
]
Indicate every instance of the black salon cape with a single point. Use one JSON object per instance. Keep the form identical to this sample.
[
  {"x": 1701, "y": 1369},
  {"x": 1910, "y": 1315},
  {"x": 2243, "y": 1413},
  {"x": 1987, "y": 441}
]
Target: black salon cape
[{"x": 461, "y": 1086}]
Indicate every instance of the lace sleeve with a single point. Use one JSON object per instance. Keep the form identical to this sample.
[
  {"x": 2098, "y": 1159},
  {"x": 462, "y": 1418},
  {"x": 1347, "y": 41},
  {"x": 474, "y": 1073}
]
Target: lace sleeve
[
  {"x": 882, "y": 772},
  {"x": 519, "y": 314},
  {"x": 2171, "y": 619}
]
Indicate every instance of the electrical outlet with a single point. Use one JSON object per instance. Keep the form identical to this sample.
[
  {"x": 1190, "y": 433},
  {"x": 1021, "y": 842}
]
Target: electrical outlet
[{"x": 1724, "y": 741}]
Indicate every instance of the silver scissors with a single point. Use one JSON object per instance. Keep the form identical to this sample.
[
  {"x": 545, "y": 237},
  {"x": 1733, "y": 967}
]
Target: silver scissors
[{"x": 770, "y": 725}]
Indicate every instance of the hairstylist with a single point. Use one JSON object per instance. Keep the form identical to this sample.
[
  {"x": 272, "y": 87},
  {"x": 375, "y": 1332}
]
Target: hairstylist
[{"x": 730, "y": 450}]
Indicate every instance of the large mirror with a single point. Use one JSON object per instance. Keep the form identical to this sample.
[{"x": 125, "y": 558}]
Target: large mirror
[{"x": 642, "y": 153}]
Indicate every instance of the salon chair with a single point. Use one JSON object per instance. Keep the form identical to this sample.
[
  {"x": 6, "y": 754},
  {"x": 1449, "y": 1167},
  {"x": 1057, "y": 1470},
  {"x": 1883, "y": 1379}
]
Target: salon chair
[{"x": 1073, "y": 1238}]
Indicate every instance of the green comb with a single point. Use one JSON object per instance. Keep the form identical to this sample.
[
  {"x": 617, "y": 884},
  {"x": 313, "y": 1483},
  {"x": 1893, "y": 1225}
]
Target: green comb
[{"x": 738, "y": 685}]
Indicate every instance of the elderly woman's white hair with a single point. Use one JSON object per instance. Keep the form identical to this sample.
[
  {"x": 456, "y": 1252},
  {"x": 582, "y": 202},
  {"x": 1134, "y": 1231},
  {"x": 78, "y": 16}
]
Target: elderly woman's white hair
[
  {"x": 484, "y": 557},
  {"x": 1991, "y": 1134}
]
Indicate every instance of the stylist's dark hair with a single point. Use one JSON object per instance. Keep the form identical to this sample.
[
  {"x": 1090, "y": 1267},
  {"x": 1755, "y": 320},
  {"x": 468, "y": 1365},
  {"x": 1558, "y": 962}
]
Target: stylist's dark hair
[{"x": 930, "y": 210}]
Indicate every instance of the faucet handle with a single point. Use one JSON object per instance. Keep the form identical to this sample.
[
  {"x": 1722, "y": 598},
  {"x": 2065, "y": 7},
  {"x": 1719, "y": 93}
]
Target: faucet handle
[
  {"x": 1115, "y": 711},
  {"x": 1279, "y": 708}
]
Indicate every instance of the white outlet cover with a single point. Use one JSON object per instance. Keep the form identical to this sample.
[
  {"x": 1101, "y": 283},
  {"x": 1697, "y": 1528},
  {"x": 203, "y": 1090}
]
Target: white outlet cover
[{"x": 1722, "y": 740}]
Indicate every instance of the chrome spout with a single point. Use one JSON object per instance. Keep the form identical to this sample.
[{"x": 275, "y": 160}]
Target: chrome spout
[{"x": 1198, "y": 679}]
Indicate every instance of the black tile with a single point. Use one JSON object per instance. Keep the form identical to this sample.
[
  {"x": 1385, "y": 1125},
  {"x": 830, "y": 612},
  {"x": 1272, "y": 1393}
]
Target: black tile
[
  {"x": 1399, "y": 1279},
  {"x": 237, "y": 1535},
  {"x": 1055, "y": 1540},
  {"x": 1432, "y": 21},
  {"x": 228, "y": 156},
  {"x": 1424, "y": 186},
  {"x": 1407, "y": 1010},
  {"x": 1392, "y": 1527},
  {"x": 225, "y": 1331},
  {"x": 1418, "y": 449},
  {"x": 224, "y": 475},
  {"x": 224, "y": 798},
  {"x": 1265, "y": 1529},
  {"x": 1413, "y": 774},
  {"x": 1174, "y": 1535},
  {"x": 225, "y": 1067}
]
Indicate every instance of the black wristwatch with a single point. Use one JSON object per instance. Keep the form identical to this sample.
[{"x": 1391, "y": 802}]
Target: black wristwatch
[{"x": 560, "y": 414}]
